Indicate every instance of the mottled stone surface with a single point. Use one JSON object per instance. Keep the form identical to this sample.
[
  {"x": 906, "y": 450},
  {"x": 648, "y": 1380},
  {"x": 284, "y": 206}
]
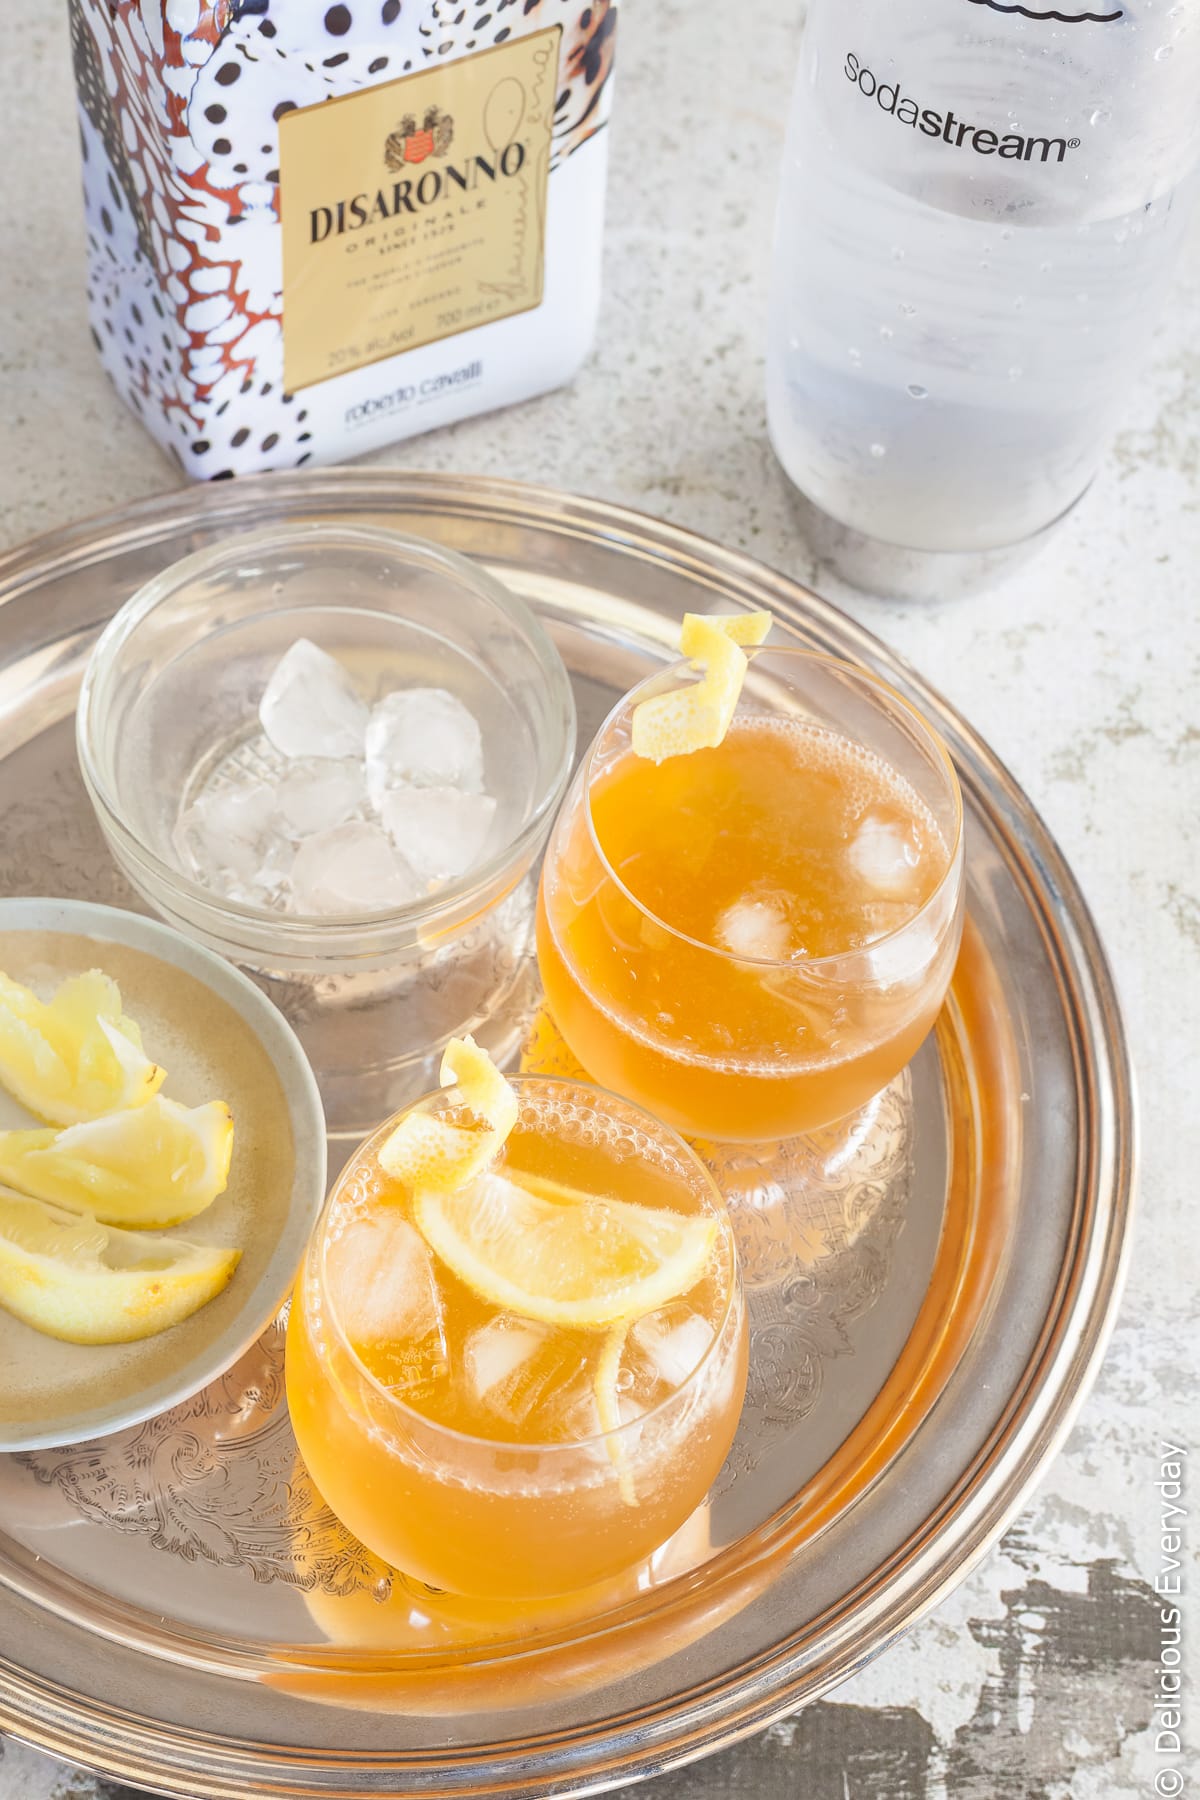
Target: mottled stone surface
[{"x": 1036, "y": 1678}]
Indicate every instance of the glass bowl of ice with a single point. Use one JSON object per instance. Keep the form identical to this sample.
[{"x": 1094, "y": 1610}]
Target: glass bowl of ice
[{"x": 333, "y": 753}]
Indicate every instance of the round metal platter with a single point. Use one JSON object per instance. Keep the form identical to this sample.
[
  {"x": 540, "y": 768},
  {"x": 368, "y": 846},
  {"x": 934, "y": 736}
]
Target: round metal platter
[{"x": 930, "y": 1284}]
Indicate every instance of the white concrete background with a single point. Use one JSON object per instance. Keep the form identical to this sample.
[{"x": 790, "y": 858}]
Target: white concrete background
[{"x": 1081, "y": 670}]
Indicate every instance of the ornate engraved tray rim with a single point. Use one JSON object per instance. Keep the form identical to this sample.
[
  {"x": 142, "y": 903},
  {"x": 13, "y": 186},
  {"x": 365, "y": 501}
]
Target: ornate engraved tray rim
[{"x": 786, "y": 1667}]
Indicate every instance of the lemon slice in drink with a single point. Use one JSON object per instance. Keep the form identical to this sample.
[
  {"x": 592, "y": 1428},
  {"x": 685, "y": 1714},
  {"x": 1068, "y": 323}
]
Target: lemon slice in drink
[
  {"x": 64, "y": 1273},
  {"x": 574, "y": 1261},
  {"x": 697, "y": 717},
  {"x": 75, "y": 1056},
  {"x": 158, "y": 1164},
  {"x": 429, "y": 1151},
  {"x": 608, "y": 1408}
]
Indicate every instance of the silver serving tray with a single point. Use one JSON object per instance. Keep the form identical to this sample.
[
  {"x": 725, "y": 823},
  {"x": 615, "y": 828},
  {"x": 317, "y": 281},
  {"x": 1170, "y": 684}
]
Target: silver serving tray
[{"x": 931, "y": 1288}]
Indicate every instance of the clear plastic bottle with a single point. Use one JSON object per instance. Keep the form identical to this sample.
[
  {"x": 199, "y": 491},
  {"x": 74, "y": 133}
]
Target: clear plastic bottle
[{"x": 979, "y": 210}]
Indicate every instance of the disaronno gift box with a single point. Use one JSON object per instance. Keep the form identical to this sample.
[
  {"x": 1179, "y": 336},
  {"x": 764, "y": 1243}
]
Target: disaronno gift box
[{"x": 314, "y": 228}]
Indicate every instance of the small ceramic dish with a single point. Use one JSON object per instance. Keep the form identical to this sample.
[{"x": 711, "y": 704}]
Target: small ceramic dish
[{"x": 217, "y": 1037}]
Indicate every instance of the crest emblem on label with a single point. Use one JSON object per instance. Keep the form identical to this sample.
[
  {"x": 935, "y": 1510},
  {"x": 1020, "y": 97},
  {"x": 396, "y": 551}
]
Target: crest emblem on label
[{"x": 410, "y": 144}]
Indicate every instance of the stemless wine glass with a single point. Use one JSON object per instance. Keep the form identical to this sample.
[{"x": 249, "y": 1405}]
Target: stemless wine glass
[
  {"x": 492, "y": 1511},
  {"x": 752, "y": 1038}
]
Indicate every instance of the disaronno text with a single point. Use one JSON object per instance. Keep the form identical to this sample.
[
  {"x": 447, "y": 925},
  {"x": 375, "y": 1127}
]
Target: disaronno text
[{"x": 409, "y": 196}]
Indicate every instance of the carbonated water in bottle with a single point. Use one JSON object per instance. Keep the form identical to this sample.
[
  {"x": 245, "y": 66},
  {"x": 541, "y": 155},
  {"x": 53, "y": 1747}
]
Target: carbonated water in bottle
[{"x": 979, "y": 210}]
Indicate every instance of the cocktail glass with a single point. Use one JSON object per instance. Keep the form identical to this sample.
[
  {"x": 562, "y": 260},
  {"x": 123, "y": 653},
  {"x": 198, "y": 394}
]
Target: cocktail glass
[
  {"x": 508, "y": 1507},
  {"x": 832, "y": 969}
]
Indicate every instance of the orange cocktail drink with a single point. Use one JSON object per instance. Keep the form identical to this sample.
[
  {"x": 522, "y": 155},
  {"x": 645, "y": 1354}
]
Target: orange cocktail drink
[
  {"x": 752, "y": 939},
  {"x": 526, "y": 1385}
]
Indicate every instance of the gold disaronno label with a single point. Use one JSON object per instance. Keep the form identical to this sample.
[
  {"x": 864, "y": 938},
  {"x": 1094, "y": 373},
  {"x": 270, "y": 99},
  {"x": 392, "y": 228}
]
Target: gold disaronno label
[{"x": 415, "y": 210}]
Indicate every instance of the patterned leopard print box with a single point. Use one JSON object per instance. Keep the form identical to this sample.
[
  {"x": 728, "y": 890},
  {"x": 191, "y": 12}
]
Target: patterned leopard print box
[{"x": 316, "y": 228}]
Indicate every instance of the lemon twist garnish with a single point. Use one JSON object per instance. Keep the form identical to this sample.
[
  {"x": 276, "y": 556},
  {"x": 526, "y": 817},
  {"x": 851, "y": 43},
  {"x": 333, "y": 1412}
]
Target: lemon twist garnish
[
  {"x": 64, "y": 1273},
  {"x": 76, "y": 1056},
  {"x": 156, "y": 1165},
  {"x": 608, "y": 1407},
  {"x": 697, "y": 717},
  {"x": 740, "y": 628},
  {"x": 426, "y": 1151}
]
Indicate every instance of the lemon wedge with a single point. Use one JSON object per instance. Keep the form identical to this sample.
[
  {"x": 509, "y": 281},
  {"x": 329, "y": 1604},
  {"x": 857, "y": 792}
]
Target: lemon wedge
[
  {"x": 586, "y": 1263},
  {"x": 428, "y": 1151},
  {"x": 158, "y": 1164},
  {"x": 75, "y": 1056},
  {"x": 697, "y": 717},
  {"x": 64, "y": 1273}
]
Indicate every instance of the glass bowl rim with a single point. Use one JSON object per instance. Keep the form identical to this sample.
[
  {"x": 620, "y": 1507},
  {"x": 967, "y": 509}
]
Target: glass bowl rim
[
  {"x": 924, "y": 730},
  {"x": 453, "y": 895},
  {"x": 319, "y": 1241}
]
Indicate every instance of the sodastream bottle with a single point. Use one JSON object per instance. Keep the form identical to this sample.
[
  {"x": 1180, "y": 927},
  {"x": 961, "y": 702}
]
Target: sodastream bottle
[{"x": 980, "y": 207}]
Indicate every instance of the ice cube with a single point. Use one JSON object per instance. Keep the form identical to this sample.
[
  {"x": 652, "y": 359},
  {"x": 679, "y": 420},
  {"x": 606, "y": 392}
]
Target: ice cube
[
  {"x": 383, "y": 1284},
  {"x": 883, "y": 855},
  {"x": 318, "y": 793},
  {"x": 904, "y": 958},
  {"x": 273, "y": 873},
  {"x": 755, "y": 928},
  {"x": 353, "y": 868},
  {"x": 672, "y": 1343},
  {"x": 576, "y": 1417},
  {"x": 309, "y": 706},
  {"x": 225, "y": 832},
  {"x": 494, "y": 1355},
  {"x": 439, "y": 831},
  {"x": 527, "y": 1374},
  {"x": 422, "y": 737}
]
